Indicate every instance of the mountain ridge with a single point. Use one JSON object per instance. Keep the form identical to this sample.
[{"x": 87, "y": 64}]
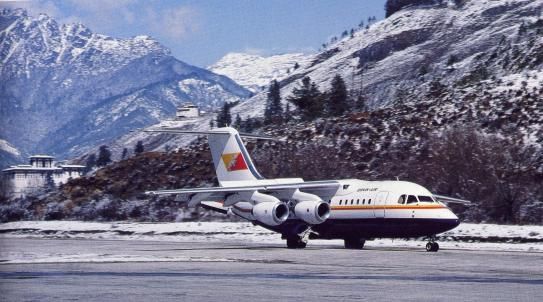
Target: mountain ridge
[{"x": 54, "y": 76}]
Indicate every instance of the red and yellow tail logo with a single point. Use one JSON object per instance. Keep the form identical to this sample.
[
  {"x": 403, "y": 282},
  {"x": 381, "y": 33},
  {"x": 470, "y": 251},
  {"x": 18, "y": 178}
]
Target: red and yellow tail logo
[{"x": 234, "y": 161}]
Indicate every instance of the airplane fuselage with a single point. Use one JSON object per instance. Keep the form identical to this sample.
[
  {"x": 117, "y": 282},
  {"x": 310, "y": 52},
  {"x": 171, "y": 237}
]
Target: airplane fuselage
[{"x": 372, "y": 209}]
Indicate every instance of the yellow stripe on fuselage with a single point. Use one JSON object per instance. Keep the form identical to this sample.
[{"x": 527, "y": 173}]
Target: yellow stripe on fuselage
[{"x": 398, "y": 207}]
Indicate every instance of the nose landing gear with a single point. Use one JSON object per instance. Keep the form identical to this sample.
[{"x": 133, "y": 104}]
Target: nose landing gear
[{"x": 432, "y": 246}]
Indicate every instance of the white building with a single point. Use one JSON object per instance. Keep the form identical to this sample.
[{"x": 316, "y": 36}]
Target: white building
[
  {"x": 41, "y": 172},
  {"x": 188, "y": 110}
]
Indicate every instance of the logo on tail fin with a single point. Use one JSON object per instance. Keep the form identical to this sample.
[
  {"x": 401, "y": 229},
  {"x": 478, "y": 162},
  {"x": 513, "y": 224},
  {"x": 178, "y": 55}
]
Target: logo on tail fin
[{"x": 234, "y": 162}]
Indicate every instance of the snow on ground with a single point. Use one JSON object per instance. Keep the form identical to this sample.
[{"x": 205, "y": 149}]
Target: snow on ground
[{"x": 467, "y": 236}]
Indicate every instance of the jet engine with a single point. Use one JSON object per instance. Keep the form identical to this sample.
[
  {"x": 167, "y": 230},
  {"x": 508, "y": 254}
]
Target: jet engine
[
  {"x": 312, "y": 212},
  {"x": 271, "y": 213}
]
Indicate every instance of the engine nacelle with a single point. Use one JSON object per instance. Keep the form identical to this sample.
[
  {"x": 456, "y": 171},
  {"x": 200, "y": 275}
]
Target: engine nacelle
[
  {"x": 312, "y": 212},
  {"x": 270, "y": 213}
]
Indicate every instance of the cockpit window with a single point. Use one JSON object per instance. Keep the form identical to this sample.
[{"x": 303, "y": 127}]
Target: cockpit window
[
  {"x": 401, "y": 200},
  {"x": 411, "y": 199},
  {"x": 425, "y": 199}
]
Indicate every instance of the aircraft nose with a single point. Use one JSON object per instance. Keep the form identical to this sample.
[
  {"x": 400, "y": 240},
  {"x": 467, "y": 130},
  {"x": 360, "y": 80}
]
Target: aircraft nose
[{"x": 454, "y": 220}]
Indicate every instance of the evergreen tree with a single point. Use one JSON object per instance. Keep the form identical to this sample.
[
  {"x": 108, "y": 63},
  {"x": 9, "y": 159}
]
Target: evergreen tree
[
  {"x": 91, "y": 162},
  {"x": 125, "y": 153},
  {"x": 224, "y": 117},
  {"x": 452, "y": 59},
  {"x": 238, "y": 121},
  {"x": 360, "y": 102},
  {"x": 211, "y": 124},
  {"x": 336, "y": 102},
  {"x": 288, "y": 115},
  {"x": 274, "y": 111},
  {"x": 104, "y": 156},
  {"x": 392, "y": 6},
  {"x": 139, "y": 147},
  {"x": 296, "y": 65},
  {"x": 308, "y": 99}
]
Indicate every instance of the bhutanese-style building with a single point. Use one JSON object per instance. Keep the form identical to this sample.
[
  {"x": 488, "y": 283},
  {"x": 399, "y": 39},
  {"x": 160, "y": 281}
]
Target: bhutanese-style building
[{"x": 41, "y": 172}]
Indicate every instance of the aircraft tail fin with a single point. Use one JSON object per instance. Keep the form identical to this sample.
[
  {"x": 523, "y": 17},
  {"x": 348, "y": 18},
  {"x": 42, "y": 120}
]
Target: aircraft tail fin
[{"x": 230, "y": 157}]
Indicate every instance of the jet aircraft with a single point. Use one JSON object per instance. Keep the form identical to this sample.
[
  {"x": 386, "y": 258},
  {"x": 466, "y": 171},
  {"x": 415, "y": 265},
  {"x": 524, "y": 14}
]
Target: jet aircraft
[{"x": 349, "y": 209}]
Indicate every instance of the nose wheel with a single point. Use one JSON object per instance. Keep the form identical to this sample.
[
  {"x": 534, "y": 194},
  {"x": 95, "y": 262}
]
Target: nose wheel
[{"x": 432, "y": 246}]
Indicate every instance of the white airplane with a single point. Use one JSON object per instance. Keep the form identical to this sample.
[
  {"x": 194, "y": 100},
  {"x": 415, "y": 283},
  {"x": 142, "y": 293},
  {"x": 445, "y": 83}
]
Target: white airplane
[{"x": 349, "y": 209}]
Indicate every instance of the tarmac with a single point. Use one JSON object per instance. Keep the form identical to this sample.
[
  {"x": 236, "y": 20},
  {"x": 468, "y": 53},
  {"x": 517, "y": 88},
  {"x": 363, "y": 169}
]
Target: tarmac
[{"x": 131, "y": 270}]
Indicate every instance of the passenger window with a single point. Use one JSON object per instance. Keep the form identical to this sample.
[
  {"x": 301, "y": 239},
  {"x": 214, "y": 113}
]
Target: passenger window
[
  {"x": 340, "y": 201},
  {"x": 364, "y": 201},
  {"x": 411, "y": 199},
  {"x": 358, "y": 201},
  {"x": 369, "y": 201},
  {"x": 401, "y": 200},
  {"x": 425, "y": 199},
  {"x": 352, "y": 201}
]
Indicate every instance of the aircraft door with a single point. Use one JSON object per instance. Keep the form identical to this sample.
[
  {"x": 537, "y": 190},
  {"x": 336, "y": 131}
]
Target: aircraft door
[{"x": 379, "y": 206}]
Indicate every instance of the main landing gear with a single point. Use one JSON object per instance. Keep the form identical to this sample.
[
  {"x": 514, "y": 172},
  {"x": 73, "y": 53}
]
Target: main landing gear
[
  {"x": 296, "y": 243},
  {"x": 432, "y": 246},
  {"x": 354, "y": 243}
]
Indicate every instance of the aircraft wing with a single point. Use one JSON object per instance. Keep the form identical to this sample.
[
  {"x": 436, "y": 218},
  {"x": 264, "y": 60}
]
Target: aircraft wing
[
  {"x": 448, "y": 200},
  {"x": 273, "y": 187}
]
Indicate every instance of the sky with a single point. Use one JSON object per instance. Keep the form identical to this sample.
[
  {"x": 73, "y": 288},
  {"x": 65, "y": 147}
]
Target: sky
[{"x": 200, "y": 32}]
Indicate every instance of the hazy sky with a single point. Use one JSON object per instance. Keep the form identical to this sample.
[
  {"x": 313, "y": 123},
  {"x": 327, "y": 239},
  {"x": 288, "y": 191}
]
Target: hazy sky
[{"x": 201, "y": 32}]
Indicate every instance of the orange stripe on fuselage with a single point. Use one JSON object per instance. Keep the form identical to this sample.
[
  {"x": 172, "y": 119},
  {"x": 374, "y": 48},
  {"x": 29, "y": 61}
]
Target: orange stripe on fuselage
[{"x": 399, "y": 207}]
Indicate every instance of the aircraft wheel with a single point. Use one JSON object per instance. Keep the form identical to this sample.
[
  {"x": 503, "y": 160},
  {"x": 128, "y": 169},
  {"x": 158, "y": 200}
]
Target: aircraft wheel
[
  {"x": 295, "y": 243},
  {"x": 354, "y": 243},
  {"x": 432, "y": 247}
]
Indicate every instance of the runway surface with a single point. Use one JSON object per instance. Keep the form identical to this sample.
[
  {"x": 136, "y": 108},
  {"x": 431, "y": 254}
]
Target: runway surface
[{"x": 130, "y": 270}]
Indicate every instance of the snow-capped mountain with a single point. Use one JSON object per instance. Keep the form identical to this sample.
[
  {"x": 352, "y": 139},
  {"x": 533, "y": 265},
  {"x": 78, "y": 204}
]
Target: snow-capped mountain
[
  {"x": 64, "y": 88},
  {"x": 256, "y": 72}
]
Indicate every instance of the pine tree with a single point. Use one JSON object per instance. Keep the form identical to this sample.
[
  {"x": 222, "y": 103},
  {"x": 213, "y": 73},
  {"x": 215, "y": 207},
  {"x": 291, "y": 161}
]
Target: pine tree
[
  {"x": 308, "y": 99},
  {"x": 296, "y": 65},
  {"x": 288, "y": 115},
  {"x": 211, "y": 124},
  {"x": 274, "y": 111},
  {"x": 336, "y": 102},
  {"x": 360, "y": 103},
  {"x": 224, "y": 117},
  {"x": 392, "y": 6},
  {"x": 139, "y": 147},
  {"x": 104, "y": 156},
  {"x": 91, "y": 162},
  {"x": 238, "y": 121},
  {"x": 125, "y": 153}
]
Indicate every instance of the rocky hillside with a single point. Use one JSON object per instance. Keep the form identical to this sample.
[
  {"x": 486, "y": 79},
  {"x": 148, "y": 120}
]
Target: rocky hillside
[
  {"x": 418, "y": 53},
  {"x": 475, "y": 147},
  {"x": 400, "y": 57},
  {"x": 255, "y": 72},
  {"x": 64, "y": 88}
]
